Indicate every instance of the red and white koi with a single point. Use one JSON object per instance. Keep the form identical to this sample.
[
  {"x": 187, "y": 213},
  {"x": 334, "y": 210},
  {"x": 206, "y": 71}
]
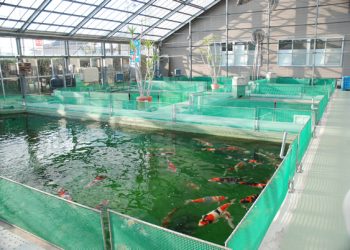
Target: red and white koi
[
  {"x": 207, "y": 199},
  {"x": 230, "y": 148},
  {"x": 166, "y": 220},
  {"x": 249, "y": 198},
  {"x": 203, "y": 142},
  {"x": 252, "y": 184},
  {"x": 236, "y": 167},
  {"x": 193, "y": 186},
  {"x": 171, "y": 166},
  {"x": 64, "y": 194},
  {"x": 95, "y": 181},
  {"x": 232, "y": 180},
  {"x": 215, "y": 215},
  {"x": 209, "y": 149}
]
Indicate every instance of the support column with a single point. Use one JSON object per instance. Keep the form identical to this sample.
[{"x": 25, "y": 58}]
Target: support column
[
  {"x": 315, "y": 40},
  {"x": 190, "y": 47},
  {"x": 268, "y": 35},
  {"x": 226, "y": 16}
]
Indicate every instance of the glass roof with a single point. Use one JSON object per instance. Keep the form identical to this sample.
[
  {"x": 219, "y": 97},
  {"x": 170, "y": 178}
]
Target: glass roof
[{"x": 99, "y": 19}]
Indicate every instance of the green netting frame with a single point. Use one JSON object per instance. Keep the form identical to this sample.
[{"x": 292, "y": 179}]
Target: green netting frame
[
  {"x": 251, "y": 230},
  {"x": 130, "y": 233},
  {"x": 304, "y": 138},
  {"x": 65, "y": 224}
]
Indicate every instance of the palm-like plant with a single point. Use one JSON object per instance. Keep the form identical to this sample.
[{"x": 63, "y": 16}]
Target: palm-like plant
[{"x": 144, "y": 86}]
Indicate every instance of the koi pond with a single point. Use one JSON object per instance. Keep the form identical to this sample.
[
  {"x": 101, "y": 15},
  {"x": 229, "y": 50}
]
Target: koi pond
[{"x": 156, "y": 176}]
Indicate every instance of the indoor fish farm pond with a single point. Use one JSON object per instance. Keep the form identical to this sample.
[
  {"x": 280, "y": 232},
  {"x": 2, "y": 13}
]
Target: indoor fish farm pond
[{"x": 155, "y": 176}]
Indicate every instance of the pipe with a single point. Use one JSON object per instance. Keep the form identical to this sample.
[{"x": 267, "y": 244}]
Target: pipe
[{"x": 283, "y": 144}]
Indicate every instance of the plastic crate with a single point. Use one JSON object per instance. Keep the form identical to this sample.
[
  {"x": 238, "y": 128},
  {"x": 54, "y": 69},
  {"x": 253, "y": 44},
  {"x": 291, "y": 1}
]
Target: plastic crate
[{"x": 346, "y": 82}]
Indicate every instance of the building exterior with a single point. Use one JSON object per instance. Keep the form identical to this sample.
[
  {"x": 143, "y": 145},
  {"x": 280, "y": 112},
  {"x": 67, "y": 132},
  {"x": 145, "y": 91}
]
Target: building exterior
[{"x": 288, "y": 50}]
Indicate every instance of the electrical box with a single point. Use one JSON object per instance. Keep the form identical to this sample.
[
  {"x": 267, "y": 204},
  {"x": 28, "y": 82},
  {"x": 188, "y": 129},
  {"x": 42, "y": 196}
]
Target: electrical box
[{"x": 238, "y": 86}]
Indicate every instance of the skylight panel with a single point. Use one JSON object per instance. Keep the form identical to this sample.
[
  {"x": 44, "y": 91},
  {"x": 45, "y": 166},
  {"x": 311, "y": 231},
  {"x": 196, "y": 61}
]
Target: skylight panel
[
  {"x": 190, "y": 10},
  {"x": 179, "y": 17},
  {"x": 63, "y": 6},
  {"x": 143, "y": 20},
  {"x": 202, "y": 3},
  {"x": 79, "y": 9},
  {"x": 42, "y": 17},
  {"x": 73, "y": 21},
  {"x": 42, "y": 27},
  {"x": 12, "y": 24},
  {"x": 154, "y": 11},
  {"x": 168, "y": 24},
  {"x": 125, "y": 5},
  {"x": 5, "y": 11},
  {"x": 20, "y": 14},
  {"x": 95, "y": 2},
  {"x": 114, "y": 15},
  {"x": 51, "y": 18},
  {"x": 103, "y": 24},
  {"x": 153, "y": 38},
  {"x": 30, "y": 3},
  {"x": 61, "y": 19},
  {"x": 123, "y": 35},
  {"x": 167, "y": 4},
  {"x": 14, "y": 2},
  {"x": 158, "y": 32},
  {"x": 53, "y": 5},
  {"x": 93, "y": 32},
  {"x": 63, "y": 29}
]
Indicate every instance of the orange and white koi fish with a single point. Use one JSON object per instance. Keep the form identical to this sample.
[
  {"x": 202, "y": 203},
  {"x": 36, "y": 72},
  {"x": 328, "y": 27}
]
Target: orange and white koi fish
[
  {"x": 64, "y": 194},
  {"x": 232, "y": 180},
  {"x": 253, "y": 161},
  {"x": 193, "y": 186},
  {"x": 166, "y": 220},
  {"x": 215, "y": 215},
  {"x": 207, "y": 199},
  {"x": 209, "y": 149},
  {"x": 236, "y": 167},
  {"x": 230, "y": 148},
  {"x": 203, "y": 142},
  {"x": 249, "y": 199},
  {"x": 96, "y": 180},
  {"x": 171, "y": 166},
  {"x": 252, "y": 184},
  {"x": 102, "y": 204}
]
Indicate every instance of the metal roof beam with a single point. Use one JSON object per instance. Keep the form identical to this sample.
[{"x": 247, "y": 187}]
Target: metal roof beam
[
  {"x": 34, "y": 15},
  {"x": 88, "y": 17},
  {"x": 130, "y": 18}
]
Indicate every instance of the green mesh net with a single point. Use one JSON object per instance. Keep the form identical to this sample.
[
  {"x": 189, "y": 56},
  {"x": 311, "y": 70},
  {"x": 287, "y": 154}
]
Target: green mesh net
[
  {"x": 130, "y": 233},
  {"x": 64, "y": 224}
]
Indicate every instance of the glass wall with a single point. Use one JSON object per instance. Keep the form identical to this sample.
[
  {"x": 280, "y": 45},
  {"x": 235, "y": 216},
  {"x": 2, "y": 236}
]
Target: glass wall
[{"x": 53, "y": 65}]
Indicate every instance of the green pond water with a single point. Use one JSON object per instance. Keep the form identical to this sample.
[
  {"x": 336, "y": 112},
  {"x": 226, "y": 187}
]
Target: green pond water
[{"x": 51, "y": 153}]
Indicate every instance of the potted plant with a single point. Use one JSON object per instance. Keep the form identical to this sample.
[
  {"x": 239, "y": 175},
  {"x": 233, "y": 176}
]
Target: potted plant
[
  {"x": 144, "y": 84},
  {"x": 211, "y": 55}
]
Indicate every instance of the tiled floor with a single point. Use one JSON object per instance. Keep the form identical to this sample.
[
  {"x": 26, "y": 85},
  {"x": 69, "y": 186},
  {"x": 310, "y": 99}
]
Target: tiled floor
[{"x": 312, "y": 216}]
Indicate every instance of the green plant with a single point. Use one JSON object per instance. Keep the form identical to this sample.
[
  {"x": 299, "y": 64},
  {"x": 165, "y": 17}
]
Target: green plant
[
  {"x": 144, "y": 84},
  {"x": 211, "y": 55}
]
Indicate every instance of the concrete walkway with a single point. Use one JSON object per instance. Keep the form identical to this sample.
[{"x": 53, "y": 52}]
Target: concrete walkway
[
  {"x": 312, "y": 216},
  {"x": 13, "y": 238}
]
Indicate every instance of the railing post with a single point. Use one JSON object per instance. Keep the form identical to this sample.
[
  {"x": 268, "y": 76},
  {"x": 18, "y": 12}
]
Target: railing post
[
  {"x": 299, "y": 167},
  {"x": 256, "y": 119},
  {"x": 110, "y": 104},
  {"x": 173, "y": 116}
]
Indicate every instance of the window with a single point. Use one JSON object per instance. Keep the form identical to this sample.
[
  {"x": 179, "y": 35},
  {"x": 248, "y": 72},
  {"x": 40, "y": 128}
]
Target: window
[
  {"x": 8, "y": 46},
  {"x": 299, "y": 52},
  {"x": 238, "y": 54},
  {"x": 42, "y": 47}
]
